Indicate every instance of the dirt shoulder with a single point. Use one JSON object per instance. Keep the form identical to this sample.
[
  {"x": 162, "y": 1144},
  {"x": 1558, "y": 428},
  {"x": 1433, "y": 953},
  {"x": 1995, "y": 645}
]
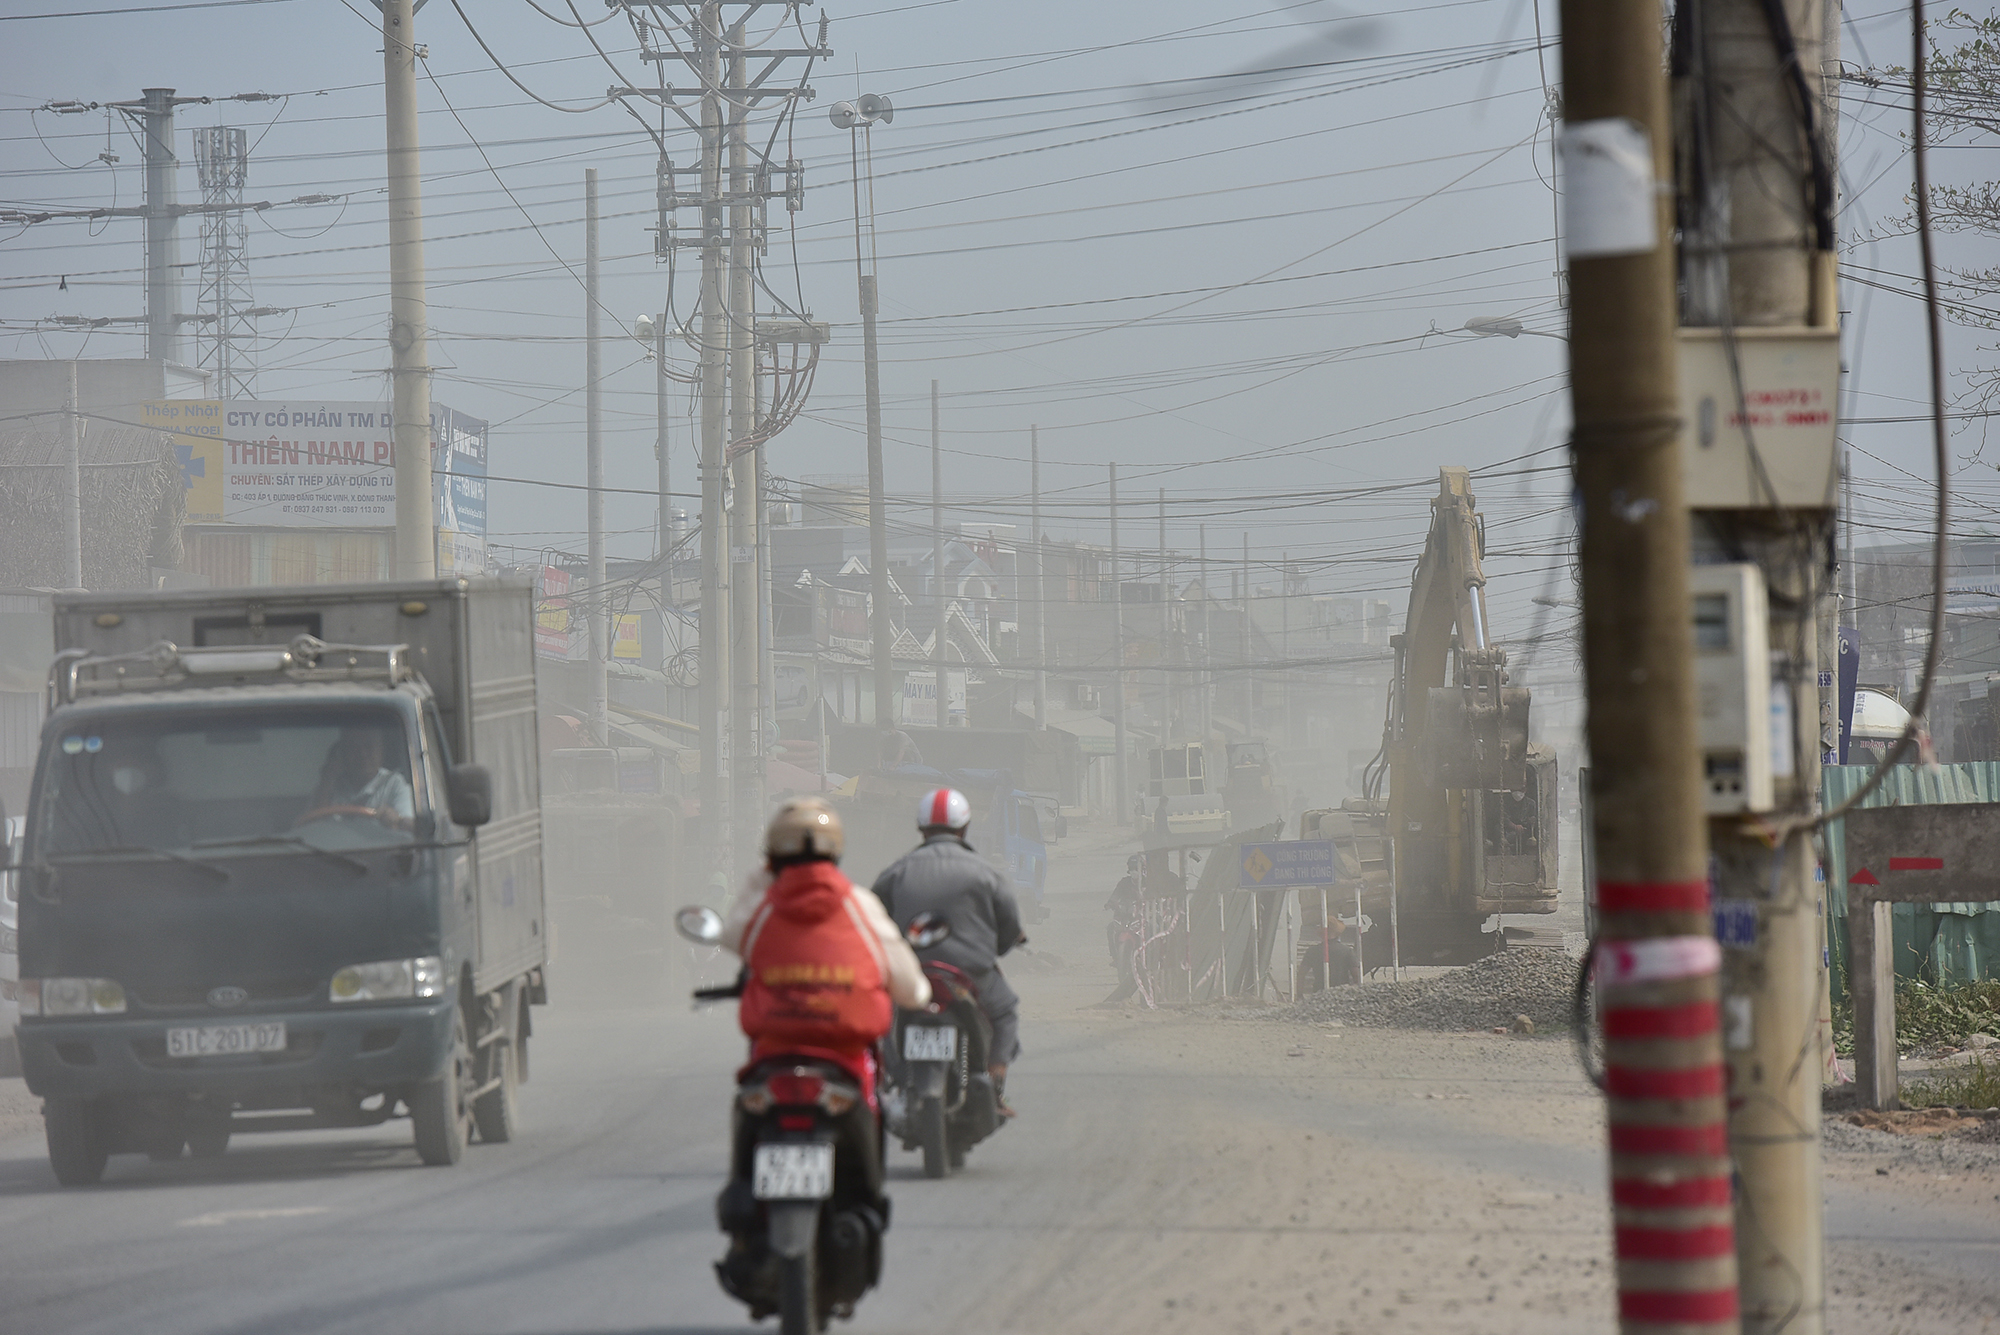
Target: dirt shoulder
[{"x": 1213, "y": 1170}]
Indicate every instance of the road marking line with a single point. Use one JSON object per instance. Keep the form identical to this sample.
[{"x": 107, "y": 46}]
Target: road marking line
[{"x": 243, "y": 1216}]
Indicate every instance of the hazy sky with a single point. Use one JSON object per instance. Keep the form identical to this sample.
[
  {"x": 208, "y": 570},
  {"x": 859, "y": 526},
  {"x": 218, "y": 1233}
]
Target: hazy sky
[{"x": 1224, "y": 284}]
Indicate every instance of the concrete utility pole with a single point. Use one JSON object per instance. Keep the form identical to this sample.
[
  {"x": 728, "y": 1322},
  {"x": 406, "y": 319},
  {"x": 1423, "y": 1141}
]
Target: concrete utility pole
[
  {"x": 663, "y": 457},
  {"x": 744, "y": 619},
  {"x": 598, "y": 603},
  {"x": 1243, "y": 646},
  {"x": 1040, "y": 646},
  {"x": 1166, "y": 630},
  {"x": 716, "y": 789},
  {"x": 73, "y": 483},
  {"x": 1759, "y": 258},
  {"x": 163, "y": 261},
  {"x": 409, "y": 316},
  {"x": 1656, "y": 962},
  {"x": 879, "y": 630},
  {"x": 1121, "y": 768},
  {"x": 1207, "y": 679},
  {"x": 937, "y": 557},
  {"x": 1285, "y": 646}
]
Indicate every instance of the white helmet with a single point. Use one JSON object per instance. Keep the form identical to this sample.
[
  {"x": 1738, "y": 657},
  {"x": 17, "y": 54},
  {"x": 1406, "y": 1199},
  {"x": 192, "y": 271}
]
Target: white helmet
[{"x": 944, "y": 809}]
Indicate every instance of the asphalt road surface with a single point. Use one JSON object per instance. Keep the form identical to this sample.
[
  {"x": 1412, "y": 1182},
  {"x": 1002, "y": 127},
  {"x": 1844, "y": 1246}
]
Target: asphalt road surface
[{"x": 1170, "y": 1172}]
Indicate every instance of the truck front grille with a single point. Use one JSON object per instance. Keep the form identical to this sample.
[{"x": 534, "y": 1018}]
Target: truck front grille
[{"x": 262, "y": 989}]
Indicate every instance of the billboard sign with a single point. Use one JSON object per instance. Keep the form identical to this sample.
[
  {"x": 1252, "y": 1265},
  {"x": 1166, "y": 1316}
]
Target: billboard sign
[
  {"x": 458, "y": 490},
  {"x": 625, "y": 636},
  {"x": 920, "y": 698},
  {"x": 555, "y": 636},
  {"x": 301, "y": 463}
]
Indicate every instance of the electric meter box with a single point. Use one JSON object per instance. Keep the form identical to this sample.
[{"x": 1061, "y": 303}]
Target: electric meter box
[
  {"x": 1732, "y": 674},
  {"x": 1790, "y": 383}
]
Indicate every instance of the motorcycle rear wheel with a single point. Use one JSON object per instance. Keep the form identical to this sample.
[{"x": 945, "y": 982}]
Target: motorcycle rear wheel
[
  {"x": 931, "y": 1131},
  {"x": 798, "y": 1296}
]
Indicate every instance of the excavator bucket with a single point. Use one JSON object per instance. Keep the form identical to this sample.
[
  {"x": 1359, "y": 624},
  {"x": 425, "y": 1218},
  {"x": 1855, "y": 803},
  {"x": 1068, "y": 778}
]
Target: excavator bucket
[{"x": 1478, "y": 737}]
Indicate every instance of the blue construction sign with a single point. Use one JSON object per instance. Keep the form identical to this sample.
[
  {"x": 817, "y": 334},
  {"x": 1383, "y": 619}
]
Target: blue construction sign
[{"x": 1282, "y": 865}]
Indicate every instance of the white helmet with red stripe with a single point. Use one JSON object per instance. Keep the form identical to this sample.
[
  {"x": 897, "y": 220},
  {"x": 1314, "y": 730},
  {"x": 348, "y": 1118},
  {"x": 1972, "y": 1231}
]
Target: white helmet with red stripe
[{"x": 944, "y": 809}]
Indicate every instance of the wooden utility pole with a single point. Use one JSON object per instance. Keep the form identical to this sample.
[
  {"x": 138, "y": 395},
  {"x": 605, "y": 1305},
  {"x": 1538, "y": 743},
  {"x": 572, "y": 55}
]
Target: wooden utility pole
[
  {"x": 1758, "y": 266},
  {"x": 409, "y": 317},
  {"x": 1656, "y": 960}
]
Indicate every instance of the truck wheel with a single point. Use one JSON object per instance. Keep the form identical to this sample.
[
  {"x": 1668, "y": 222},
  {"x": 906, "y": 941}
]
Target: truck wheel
[
  {"x": 521, "y": 1028},
  {"x": 78, "y": 1146},
  {"x": 440, "y": 1112},
  {"x": 493, "y": 1111},
  {"x": 931, "y": 1131}
]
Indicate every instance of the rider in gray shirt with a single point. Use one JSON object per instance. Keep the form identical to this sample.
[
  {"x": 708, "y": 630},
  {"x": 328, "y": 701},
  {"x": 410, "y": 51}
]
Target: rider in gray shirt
[{"x": 945, "y": 878}]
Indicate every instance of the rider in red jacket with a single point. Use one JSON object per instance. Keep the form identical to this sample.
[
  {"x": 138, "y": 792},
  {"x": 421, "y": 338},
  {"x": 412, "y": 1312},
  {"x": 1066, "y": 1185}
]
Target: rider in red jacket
[{"x": 824, "y": 967}]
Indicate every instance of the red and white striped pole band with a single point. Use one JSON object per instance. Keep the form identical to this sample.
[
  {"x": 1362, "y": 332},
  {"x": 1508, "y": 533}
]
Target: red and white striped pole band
[
  {"x": 1659, "y": 959},
  {"x": 1652, "y": 896}
]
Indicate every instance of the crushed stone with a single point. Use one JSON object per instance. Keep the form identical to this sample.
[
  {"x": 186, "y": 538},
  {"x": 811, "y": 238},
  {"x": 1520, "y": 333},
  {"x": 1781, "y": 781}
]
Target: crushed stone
[{"x": 1498, "y": 992}]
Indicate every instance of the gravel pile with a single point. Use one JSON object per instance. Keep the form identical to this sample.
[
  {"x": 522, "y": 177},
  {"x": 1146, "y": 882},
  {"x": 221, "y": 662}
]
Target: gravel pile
[{"x": 1492, "y": 992}]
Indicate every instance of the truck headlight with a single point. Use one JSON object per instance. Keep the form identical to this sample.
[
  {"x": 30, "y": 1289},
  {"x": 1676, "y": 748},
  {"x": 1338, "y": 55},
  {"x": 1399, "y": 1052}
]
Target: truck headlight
[
  {"x": 389, "y": 980},
  {"x": 10, "y": 941},
  {"x": 70, "y": 996}
]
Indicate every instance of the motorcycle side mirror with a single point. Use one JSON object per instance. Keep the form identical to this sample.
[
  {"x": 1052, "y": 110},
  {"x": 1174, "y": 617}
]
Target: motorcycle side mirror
[
  {"x": 703, "y": 926},
  {"x": 926, "y": 930}
]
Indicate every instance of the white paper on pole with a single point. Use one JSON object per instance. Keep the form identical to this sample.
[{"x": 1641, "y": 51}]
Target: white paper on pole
[{"x": 1610, "y": 197}]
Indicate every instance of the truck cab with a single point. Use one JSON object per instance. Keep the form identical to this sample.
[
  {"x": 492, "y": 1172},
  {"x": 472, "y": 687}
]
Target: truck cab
[{"x": 251, "y": 897}]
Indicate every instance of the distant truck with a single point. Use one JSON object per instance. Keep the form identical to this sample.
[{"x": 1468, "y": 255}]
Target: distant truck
[{"x": 281, "y": 868}]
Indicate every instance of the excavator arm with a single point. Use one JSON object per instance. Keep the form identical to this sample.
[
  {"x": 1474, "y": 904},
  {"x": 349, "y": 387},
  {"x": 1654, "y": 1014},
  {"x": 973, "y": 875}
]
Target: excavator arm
[{"x": 1462, "y": 776}]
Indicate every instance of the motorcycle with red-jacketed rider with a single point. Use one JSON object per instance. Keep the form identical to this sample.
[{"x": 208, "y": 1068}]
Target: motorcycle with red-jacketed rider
[
  {"x": 807, "y": 1223},
  {"x": 823, "y": 968}
]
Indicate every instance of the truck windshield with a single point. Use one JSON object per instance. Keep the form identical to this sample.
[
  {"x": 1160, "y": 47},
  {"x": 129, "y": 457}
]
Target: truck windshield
[{"x": 194, "y": 779}]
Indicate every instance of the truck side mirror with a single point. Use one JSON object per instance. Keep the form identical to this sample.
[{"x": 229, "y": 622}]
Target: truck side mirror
[{"x": 469, "y": 793}]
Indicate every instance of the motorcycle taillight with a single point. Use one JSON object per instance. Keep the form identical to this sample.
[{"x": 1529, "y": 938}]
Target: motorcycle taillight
[{"x": 795, "y": 1088}]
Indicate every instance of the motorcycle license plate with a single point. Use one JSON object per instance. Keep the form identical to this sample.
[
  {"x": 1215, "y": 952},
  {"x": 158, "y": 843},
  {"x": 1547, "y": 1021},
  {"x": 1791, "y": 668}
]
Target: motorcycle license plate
[
  {"x": 930, "y": 1043},
  {"x": 792, "y": 1172}
]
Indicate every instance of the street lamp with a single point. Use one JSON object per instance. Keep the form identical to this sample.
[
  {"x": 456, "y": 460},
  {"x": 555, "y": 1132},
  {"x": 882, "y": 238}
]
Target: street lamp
[{"x": 861, "y": 114}]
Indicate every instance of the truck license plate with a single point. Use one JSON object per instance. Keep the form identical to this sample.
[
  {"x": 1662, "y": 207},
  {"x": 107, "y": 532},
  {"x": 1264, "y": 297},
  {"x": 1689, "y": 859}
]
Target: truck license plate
[
  {"x": 222, "y": 1040},
  {"x": 930, "y": 1043},
  {"x": 792, "y": 1172}
]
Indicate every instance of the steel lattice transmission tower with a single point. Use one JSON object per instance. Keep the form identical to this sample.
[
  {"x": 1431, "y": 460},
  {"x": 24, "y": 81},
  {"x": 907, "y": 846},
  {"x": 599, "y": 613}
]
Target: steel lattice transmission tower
[{"x": 229, "y": 325}]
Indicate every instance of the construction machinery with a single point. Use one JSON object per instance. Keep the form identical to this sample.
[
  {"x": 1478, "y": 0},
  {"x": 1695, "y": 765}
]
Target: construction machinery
[{"x": 1470, "y": 808}]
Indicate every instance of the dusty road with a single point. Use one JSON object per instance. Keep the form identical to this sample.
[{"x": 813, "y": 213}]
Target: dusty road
[{"x": 1169, "y": 1173}]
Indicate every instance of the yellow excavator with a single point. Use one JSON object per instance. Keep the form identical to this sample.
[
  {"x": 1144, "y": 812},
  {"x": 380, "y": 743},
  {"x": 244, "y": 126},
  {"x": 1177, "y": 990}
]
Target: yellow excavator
[{"x": 1470, "y": 815}]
